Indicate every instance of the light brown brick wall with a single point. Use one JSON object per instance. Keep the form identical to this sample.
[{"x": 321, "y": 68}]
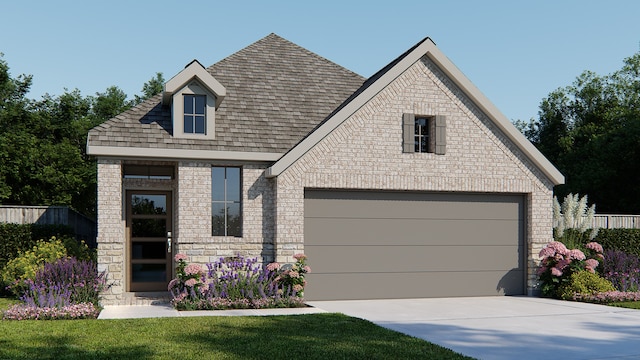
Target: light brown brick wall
[
  {"x": 365, "y": 152},
  {"x": 191, "y": 192}
]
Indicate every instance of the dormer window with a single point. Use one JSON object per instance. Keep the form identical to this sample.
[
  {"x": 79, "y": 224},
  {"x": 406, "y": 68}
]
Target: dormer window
[
  {"x": 195, "y": 118},
  {"x": 194, "y": 96}
]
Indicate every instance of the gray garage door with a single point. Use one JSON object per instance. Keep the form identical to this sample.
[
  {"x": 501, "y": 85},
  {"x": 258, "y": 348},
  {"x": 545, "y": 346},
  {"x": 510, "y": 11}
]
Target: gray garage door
[{"x": 380, "y": 245}]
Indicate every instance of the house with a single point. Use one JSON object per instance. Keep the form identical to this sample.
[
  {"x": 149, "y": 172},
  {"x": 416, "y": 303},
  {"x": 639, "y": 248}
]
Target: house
[{"x": 407, "y": 184}]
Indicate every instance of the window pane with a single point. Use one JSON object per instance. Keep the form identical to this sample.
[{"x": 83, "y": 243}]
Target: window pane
[
  {"x": 423, "y": 144},
  {"x": 149, "y": 250},
  {"x": 233, "y": 184},
  {"x": 217, "y": 219},
  {"x": 199, "y": 124},
  {"x": 200, "y": 104},
  {"x": 188, "y": 124},
  {"x": 217, "y": 183},
  {"x": 234, "y": 220},
  {"x": 148, "y": 272},
  {"x": 143, "y": 204},
  {"x": 148, "y": 227},
  {"x": 188, "y": 104}
]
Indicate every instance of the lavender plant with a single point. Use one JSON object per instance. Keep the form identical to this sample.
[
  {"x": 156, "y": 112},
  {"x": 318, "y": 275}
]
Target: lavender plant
[
  {"x": 623, "y": 270},
  {"x": 64, "y": 282},
  {"x": 236, "y": 282}
]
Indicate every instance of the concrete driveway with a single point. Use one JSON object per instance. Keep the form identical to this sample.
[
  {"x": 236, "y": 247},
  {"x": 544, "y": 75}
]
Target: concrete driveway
[{"x": 507, "y": 327}]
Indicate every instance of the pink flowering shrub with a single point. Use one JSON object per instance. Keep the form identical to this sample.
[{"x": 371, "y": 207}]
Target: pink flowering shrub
[
  {"x": 189, "y": 279},
  {"x": 293, "y": 278},
  {"x": 559, "y": 263},
  {"x": 608, "y": 297},
  {"x": 235, "y": 283},
  {"x": 68, "y": 312}
]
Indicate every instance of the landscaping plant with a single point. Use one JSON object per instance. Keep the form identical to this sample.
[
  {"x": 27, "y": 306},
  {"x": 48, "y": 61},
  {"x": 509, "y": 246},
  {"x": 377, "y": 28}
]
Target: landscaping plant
[
  {"x": 573, "y": 221},
  {"x": 24, "y": 267},
  {"x": 584, "y": 283},
  {"x": 622, "y": 269},
  {"x": 65, "y": 289},
  {"x": 237, "y": 282},
  {"x": 559, "y": 263}
]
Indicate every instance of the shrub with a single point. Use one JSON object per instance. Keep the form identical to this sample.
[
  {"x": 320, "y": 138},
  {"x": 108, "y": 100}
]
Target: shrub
[
  {"x": 627, "y": 240},
  {"x": 25, "y": 266},
  {"x": 235, "y": 282},
  {"x": 64, "y": 282},
  {"x": 608, "y": 297},
  {"x": 74, "y": 311},
  {"x": 559, "y": 263},
  {"x": 16, "y": 238},
  {"x": 622, "y": 269},
  {"x": 584, "y": 283},
  {"x": 293, "y": 278}
]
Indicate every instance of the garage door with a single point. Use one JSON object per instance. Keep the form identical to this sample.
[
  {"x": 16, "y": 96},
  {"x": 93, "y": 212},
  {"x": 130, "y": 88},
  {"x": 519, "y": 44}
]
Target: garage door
[{"x": 381, "y": 245}]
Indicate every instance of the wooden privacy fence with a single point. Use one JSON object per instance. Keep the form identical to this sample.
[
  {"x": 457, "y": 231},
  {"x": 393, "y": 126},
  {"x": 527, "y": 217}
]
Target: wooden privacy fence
[
  {"x": 611, "y": 221},
  {"x": 84, "y": 227}
]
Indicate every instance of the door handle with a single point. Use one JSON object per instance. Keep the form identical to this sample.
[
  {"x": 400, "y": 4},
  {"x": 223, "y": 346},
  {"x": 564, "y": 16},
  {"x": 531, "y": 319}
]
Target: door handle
[{"x": 168, "y": 241}]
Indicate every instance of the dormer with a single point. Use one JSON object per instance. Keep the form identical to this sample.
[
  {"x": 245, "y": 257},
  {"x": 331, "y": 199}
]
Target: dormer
[{"x": 194, "y": 95}]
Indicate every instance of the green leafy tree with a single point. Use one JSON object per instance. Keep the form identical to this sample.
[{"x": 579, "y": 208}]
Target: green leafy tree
[
  {"x": 152, "y": 87},
  {"x": 591, "y": 131},
  {"x": 43, "y": 159}
]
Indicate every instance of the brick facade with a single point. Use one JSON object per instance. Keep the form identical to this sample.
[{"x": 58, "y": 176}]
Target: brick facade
[
  {"x": 191, "y": 195},
  {"x": 365, "y": 152}
]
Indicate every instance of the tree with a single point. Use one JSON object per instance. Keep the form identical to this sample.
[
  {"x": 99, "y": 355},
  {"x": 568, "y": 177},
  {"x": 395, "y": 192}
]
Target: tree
[
  {"x": 43, "y": 158},
  {"x": 150, "y": 88},
  {"x": 591, "y": 131}
]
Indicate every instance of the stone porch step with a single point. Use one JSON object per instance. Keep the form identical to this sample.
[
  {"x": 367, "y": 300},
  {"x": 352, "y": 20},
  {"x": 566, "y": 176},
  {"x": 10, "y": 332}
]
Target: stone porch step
[{"x": 146, "y": 298}]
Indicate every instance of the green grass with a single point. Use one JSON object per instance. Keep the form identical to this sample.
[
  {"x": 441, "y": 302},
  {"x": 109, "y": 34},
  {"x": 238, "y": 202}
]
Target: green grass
[
  {"x": 315, "y": 336},
  {"x": 627, "y": 304},
  {"x": 6, "y": 303}
]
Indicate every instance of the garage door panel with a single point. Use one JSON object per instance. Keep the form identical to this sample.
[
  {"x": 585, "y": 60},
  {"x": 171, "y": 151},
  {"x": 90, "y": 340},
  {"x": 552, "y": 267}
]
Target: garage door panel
[
  {"x": 377, "y": 259},
  {"x": 340, "y": 231},
  {"x": 368, "y": 244},
  {"x": 414, "y": 206},
  {"x": 413, "y": 285}
]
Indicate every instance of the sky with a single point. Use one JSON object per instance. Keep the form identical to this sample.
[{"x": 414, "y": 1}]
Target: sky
[{"x": 515, "y": 52}]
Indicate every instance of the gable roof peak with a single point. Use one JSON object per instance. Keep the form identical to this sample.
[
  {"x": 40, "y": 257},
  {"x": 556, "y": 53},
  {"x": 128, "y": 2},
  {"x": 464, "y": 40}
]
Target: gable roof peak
[{"x": 194, "y": 61}]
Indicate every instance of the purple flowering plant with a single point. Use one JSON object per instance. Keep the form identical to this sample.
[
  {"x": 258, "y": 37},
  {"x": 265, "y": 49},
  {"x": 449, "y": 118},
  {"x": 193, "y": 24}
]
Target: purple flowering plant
[
  {"x": 233, "y": 282},
  {"x": 65, "y": 289},
  {"x": 559, "y": 263},
  {"x": 622, "y": 269}
]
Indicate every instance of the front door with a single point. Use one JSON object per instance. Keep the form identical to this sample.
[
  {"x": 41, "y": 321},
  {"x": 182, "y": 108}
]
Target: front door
[{"x": 149, "y": 246}]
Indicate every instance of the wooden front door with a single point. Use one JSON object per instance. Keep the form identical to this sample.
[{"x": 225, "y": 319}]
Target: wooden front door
[{"x": 149, "y": 227}]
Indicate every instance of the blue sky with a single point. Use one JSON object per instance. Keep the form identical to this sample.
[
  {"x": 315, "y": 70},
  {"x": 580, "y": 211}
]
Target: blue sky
[{"x": 515, "y": 52}]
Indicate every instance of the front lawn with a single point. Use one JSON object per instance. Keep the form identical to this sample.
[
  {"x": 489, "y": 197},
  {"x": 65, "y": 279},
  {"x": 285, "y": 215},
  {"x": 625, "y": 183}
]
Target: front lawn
[
  {"x": 316, "y": 336},
  {"x": 626, "y": 304}
]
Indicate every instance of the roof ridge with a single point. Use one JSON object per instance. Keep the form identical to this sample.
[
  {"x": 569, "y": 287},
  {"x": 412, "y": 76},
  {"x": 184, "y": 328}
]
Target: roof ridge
[{"x": 274, "y": 36}]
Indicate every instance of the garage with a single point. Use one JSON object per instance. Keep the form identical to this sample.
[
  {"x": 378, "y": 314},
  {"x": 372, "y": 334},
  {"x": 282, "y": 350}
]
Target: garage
[{"x": 383, "y": 245}]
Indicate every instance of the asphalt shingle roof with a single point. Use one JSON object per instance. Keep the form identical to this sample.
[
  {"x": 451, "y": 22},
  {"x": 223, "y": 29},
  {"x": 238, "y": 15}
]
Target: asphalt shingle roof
[{"x": 277, "y": 92}]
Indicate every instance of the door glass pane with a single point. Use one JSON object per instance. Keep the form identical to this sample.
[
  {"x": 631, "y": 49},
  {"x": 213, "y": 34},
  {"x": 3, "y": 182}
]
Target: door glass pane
[
  {"x": 217, "y": 219},
  {"x": 148, "y": 227},
  {"x": 149, "y": 250},
  {"x": 143, "y": 204},
  {"x": 233, "y": 184},
  {"x": 148, "y": 272},
  {"x": 234, "y": 221}
]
